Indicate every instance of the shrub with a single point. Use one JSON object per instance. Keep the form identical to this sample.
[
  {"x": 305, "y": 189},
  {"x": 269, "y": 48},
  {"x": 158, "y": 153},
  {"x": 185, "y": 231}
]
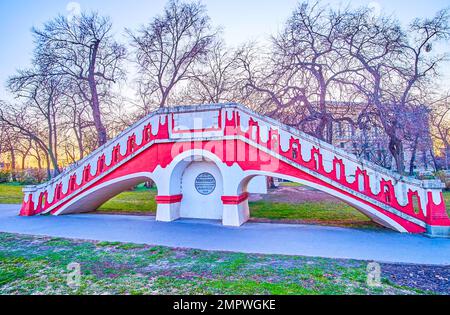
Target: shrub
[
  {"x": 445, "y": 178},
  {"x": 5, "y": 176},
  {"x": 30, "y": 176}
]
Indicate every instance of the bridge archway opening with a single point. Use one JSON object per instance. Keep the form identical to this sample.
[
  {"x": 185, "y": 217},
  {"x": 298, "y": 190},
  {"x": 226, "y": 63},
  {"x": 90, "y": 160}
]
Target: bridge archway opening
[
  {"x": 200, "y": 182},
  {"x": 364, "y": 209},
  {"x": 95, "y": 197}
]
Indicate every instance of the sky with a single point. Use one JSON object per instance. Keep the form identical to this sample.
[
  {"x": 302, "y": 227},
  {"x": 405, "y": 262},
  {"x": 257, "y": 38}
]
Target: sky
[{"x": 240, "y": 20}]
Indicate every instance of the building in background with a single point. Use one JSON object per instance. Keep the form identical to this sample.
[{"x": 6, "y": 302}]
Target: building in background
[{"x": 369, "y": 141}]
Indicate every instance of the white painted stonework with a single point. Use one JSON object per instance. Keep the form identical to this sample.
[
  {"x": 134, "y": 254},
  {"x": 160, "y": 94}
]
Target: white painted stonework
[{"x": 257, "y": 185}]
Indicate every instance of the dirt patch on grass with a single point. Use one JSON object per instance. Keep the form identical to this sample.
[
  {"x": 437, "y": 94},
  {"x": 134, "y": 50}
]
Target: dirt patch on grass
[
  {"x": 294, "y": 195},
  {"x": 336, "y": 223},
  {"x": 423, "y": 277}
]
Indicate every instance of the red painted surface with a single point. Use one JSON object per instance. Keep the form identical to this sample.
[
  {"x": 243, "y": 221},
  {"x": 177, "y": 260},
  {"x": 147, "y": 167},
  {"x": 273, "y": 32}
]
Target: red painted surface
[
  {"x": 234, "y": 200},
  {"x": 168, "y": 199}
]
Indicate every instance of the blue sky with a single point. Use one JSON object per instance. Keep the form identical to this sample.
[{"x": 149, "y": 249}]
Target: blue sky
[{"x": 241, "y": 20}]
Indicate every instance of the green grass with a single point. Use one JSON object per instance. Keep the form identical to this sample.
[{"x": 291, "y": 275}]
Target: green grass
[
  {"x": 447, "y": 201},
  {"x": 139, "y": 200},
  {"x": 320, "y": 212},
  {"x": 11, "y": 193},
  {"x": 39, "y": 265},
  {"x": 290, "y": 184}
]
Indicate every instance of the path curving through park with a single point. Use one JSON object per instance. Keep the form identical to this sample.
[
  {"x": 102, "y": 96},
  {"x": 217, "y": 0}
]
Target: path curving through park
[{"x": 264, "y": 238}]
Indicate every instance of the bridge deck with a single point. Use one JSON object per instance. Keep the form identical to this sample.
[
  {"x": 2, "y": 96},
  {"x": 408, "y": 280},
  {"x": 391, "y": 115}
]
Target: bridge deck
[{"x": 242, "y": 144}]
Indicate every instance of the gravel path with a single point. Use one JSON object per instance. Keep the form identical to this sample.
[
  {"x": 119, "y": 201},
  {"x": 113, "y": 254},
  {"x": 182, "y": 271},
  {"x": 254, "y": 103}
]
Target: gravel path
[{"x": 294, "y": 195}]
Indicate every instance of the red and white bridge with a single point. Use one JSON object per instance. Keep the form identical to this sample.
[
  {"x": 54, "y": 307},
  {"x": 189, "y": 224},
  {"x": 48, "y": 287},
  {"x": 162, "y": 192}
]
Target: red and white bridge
[{"x": 203, "y": 157}]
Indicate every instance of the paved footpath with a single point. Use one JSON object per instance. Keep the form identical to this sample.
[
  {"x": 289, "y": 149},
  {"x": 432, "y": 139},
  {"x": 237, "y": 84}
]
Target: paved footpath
[{"x": 266, "y": 238}]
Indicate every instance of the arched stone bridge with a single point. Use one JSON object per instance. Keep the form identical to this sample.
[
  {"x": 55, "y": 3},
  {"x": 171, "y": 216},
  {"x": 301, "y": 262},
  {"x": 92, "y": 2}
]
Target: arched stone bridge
[{"x": 203, "y": 157}]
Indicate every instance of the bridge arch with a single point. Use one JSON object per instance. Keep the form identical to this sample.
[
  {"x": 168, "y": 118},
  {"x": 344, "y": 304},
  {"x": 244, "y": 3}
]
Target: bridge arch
[
  {"x": 178, "y": 185},
  {"x": 367, "y": 210},
  {"x": 92, "y": 198},
  {"x": 161, "y": 148}
]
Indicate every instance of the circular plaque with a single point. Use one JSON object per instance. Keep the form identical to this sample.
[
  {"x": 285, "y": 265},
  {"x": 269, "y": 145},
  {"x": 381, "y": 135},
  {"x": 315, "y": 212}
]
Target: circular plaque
[{"x": 205, "y": 183}]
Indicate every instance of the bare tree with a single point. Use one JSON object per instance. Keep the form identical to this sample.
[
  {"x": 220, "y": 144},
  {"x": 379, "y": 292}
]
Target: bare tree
[
  {"x": 396, "y": 66},
  {"x": 83, "y": 50},
  {"x": 41, "y": 102},
  {"x": 24, "y": 147},
  {"x": 75, "y": 119},
  {"x": 217, "y": 79},
  {"x": 8, "y": 140},
  {"x": 37, "y": 117},
  {"x": 168, "y": 47},
  {"x": 440, "y": 123},
  {"x": 304, "y": 74},
  {"x": 308, "y": 51},
  {"x": 417, "y": 134}
]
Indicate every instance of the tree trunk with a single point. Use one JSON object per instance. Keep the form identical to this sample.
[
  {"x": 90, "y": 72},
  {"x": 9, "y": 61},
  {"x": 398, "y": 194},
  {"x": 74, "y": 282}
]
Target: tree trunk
[
  {"x": 13, "y": 164},
  {"x": 80, "y": 142},
  {"x": 329, "y": 129},
  {"x": 320, "y": 129},
  {"x": 396, "y": 149},
  {"x": 270, "y": 182},
  {"x": 163, "y": 101},
  {"x": 39, "y": 163},
  {"x": 49, "y": 174},
  {"x": 95, "y": 104},
  {"x": 413, "y": 157},
  {"x": 436, "y": 166},
  {"x": 25, "y": 156},
  {"x": 54, "y": 162}
]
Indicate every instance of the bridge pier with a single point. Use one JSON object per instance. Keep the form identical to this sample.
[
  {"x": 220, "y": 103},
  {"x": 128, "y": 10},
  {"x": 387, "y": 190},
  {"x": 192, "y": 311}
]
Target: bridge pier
[
  {"x": 168, "y": 207},
  {"x": 235, "y": 210},
  {"x": 435, "y": 231}
]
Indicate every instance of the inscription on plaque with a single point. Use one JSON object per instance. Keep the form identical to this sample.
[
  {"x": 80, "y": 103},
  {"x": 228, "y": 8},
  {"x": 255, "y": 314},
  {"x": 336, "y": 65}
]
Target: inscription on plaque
[{"x": 205, "y": 183}]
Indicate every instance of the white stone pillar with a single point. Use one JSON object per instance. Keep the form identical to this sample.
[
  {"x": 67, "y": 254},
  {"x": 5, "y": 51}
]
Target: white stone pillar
[
  {"x": 235, "y": 210},
  {"x": 168, "y": 207}
]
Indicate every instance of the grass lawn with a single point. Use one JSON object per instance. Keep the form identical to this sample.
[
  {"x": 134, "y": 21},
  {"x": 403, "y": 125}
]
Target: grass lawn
[
  {"x": 140, "y": 200},
  {"x": 11, "y": 193},
  {"x": 39, "y": 265},
  {"x": 313, "y": 212},
  {"x": 447, "y": 201},
  {"x": 290, "y": 184}
]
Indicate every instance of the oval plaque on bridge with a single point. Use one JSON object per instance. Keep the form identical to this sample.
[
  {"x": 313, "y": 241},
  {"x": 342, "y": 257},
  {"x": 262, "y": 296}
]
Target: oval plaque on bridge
[{"x": 205, "y": 183}]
